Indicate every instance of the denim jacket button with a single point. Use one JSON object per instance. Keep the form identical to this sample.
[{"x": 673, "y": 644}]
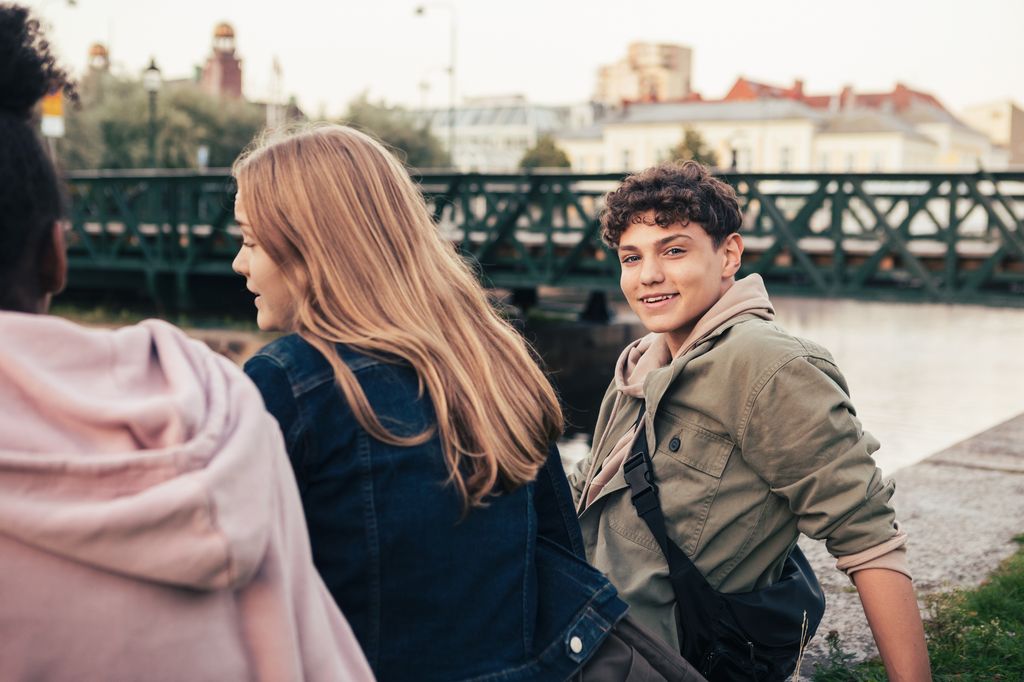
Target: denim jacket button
[
  {"x": 576, "y": 645},
  {"x": 673, "y": 444}
]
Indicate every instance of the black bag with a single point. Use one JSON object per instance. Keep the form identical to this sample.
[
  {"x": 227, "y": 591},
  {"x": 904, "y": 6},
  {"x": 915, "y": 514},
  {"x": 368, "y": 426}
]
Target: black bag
[
  {"x": 630, "y": 653},
  {"x": 748, "y": 636}
]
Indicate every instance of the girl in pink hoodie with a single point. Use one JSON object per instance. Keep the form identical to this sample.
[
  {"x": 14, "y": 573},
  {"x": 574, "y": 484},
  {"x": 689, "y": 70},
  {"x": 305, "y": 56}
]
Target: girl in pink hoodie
[{"x": 150, "y": 527}]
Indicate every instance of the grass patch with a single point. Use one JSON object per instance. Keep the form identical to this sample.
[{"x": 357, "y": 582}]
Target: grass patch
[{"x": 975, "y": 634}]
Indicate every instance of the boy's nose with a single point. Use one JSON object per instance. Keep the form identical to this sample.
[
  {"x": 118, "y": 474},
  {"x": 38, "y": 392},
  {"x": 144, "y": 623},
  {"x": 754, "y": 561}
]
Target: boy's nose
[{"x": 650, "y": 271}]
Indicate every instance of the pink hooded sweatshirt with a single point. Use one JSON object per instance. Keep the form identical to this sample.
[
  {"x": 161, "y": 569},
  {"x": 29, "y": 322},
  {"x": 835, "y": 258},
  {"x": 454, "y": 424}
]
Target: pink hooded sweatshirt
[{"x": 150, "y": 527}]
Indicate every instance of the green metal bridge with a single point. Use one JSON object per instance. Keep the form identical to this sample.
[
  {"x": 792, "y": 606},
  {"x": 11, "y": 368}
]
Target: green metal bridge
[{"x": 170, "y": 237}]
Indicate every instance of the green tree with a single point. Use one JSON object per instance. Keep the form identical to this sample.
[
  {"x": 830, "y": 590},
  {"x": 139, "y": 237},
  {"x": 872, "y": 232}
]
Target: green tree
[
  {"x": 398, "y": 129},
  {"x": 545, "y": 154},
  {"x": 693, "y": 147},
  {"x": 110, "y": 128}
]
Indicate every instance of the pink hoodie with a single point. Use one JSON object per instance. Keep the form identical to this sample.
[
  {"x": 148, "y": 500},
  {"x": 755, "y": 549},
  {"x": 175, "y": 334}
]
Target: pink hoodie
[{"x": 150, "y": 527}]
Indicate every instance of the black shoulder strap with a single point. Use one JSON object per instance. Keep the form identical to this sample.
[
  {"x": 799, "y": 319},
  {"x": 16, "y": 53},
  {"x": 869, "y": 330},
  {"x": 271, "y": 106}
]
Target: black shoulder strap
[
  {"x": 695, "y": 598},
  {"x": 639, "y": 475}
]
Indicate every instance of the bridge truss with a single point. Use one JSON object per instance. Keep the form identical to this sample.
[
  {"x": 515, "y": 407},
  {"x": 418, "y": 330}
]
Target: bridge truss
[{"x": 917, "y": 237}]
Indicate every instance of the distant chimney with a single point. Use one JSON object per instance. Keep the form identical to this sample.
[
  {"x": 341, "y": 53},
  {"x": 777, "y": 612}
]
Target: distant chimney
[
  {"x": 846, "y": 98},
  {"x": 798, "y": 88},
  {"x": 901, "y": 97}
]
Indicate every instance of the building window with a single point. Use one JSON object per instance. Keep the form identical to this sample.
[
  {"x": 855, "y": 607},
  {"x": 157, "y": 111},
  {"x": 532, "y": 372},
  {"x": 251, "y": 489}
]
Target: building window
[
  {"x": 626, "y": 161},
  {"x": 784, "y": 160},
  {"x": 742, "y": 159}
]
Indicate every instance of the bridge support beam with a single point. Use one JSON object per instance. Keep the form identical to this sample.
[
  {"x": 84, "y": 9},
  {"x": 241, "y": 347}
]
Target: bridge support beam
[
  {"x": 596, "y": 310},
  {"x": 524, "y": 299}
]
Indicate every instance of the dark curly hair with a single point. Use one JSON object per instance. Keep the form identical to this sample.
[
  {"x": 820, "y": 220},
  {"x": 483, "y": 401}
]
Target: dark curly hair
[
  {"x": 677, "y": 193},
  {"x": 31, "y": 198}
]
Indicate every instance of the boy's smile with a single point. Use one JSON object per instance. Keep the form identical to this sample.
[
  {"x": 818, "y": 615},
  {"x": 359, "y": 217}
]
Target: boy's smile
[{"x": 672, "y": 275}]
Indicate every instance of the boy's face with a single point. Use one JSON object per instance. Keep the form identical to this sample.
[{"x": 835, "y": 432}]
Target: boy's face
[{"x": 672, "y": 275}]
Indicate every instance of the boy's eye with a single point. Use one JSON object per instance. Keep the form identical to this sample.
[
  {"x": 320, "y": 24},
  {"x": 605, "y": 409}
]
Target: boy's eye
[
  {"x": 630, "y": 259},
  {"x": 675, "y": 251}
]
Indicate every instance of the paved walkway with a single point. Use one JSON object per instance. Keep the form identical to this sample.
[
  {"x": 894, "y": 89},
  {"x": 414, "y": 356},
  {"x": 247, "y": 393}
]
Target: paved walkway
[{"x": 961, "y": 507}]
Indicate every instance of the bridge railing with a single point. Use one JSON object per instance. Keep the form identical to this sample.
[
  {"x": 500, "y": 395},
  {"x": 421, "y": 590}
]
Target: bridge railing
[{"x": 934, "y": 237}]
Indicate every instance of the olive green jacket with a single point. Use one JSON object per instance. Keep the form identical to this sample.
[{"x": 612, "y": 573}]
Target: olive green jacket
[{"x": 753, "y": 440}]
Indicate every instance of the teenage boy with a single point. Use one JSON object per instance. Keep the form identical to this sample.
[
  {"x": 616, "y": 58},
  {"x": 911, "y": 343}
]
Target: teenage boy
[{"x": 751, "y": 431}]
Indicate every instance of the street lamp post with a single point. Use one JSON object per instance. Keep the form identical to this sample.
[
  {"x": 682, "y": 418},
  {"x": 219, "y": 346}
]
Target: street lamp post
[
  {"x": 151, "y": 82},
  {"x": 420, "y": 11}
]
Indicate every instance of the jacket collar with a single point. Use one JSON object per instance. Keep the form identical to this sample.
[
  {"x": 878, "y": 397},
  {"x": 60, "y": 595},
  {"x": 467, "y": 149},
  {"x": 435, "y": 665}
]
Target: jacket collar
[{"x": 656, "y": 385}]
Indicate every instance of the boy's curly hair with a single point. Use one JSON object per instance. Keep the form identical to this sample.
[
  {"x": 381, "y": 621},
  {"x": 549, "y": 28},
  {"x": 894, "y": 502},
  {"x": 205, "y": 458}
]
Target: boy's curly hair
[{"x": 677, "y": 193}]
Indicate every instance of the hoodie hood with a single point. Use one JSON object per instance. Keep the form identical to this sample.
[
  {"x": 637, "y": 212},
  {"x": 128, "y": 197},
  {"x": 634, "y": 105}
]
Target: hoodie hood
[
  {"x": 135, "y": 451},
  {"x": 746, "y": 296}
]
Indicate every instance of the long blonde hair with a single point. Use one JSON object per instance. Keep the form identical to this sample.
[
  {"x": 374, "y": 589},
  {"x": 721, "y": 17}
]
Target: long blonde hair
[{"x": 357, "y": 247}]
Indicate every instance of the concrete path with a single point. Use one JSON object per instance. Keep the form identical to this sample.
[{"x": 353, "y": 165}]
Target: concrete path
[{"x": 961, "y": 507}]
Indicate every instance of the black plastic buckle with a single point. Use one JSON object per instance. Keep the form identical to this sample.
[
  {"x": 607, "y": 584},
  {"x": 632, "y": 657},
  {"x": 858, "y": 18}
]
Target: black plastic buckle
[{"x": 637, "y": 473}]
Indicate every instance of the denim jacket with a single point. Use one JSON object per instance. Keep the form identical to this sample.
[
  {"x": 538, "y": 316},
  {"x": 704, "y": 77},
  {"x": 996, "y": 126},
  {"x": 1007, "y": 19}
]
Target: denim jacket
[{"x": 502, "y": 594}]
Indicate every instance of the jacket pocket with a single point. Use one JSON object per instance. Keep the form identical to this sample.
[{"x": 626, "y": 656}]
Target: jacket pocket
[
  {"x": 688, "y": 464},
  {"x": 696, "y": 447}
]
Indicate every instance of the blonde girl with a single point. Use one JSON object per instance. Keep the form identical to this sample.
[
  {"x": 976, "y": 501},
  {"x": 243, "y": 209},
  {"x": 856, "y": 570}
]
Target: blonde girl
[{"x": 418, "y": 424}]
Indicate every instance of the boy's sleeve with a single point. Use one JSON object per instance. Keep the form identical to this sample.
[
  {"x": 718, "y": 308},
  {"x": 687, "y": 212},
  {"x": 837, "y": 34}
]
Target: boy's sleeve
[
  {"x": 802, "y": 436},
  {"x": 577, "y": 475}
]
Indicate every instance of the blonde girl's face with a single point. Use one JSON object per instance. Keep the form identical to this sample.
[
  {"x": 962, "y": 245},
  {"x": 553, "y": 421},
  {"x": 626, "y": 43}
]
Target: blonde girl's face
[{"x": 275, "y": 308}]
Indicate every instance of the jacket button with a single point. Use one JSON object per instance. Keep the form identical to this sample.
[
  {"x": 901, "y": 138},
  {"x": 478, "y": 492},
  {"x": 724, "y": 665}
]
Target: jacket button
[
  {"x": 673, "y": 444},
  {"x": 576, "y": 645}
]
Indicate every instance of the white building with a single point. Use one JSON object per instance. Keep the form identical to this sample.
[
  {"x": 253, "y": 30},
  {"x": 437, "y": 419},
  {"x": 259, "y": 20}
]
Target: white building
[
  {"x": 1003, "y": 123},
  {"x": 960, "y": 147},
  {"x": 767, "y": 129},
  {"x": 867, "y": 141},
  {"x": 775, "y": 135},
  {"x": 492, "y": 134}
]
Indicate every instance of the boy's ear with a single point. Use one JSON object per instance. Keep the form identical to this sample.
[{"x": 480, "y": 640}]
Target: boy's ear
[
  {"x": 53, "y": 263},
  {"x": 732, "y": 250}
]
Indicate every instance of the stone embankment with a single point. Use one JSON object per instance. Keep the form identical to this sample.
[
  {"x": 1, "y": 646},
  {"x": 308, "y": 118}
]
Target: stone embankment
[{"x": 961, "y": 508}]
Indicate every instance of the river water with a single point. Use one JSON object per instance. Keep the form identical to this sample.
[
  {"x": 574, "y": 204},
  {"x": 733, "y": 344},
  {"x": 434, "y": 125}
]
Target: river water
[{"x": 922, "y": 376}]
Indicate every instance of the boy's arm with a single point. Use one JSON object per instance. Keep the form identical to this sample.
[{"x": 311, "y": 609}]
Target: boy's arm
[
  {"x": 801, "y": 435},
  {"x": 891, "y": 609},
  {"x": 577, "y": 474}
]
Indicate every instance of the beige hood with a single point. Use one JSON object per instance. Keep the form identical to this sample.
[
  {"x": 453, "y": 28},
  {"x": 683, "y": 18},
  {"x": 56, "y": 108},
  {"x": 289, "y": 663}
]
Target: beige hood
[{"x": 745, "y": 297}]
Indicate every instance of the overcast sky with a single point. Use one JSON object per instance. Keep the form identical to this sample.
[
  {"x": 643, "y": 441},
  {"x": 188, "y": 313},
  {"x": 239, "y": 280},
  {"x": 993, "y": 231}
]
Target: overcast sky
[{"x": 330, "y": 50}]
